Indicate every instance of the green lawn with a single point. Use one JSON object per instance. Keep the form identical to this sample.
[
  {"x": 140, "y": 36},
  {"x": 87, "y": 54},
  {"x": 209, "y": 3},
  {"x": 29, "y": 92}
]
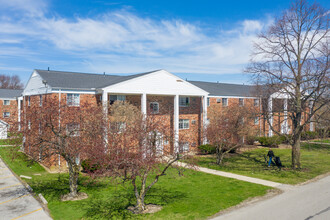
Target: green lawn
[
  {"x": 327, "y": 141},
  {"x": 315, "y": 160},
  {"x": 192, "y": 196},
  {"x": 10, "y": 141}
]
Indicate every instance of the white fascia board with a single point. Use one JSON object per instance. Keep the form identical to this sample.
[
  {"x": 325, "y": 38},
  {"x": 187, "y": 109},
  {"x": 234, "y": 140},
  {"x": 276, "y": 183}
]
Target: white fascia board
[
  {"x": 139, "y": 85},
  {"x": 224, "y": 96},
  {"x": 73, "y": 91},
  {"x": 11, "y": 99}
]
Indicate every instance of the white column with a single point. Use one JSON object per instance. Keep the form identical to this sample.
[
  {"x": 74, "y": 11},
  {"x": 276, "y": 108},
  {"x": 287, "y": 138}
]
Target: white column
[
  {"x": 285, "y": 116},
  {"x": 311, "y": 124},
  {"x": 19, "y": 112},
  {"x": 205, "y": 122},
  {"x": 144, "y": 103},
  {"x": 176, "y": 123},
  {"x": 105, "y": 111},
  {"x": 270, "y": 113}
]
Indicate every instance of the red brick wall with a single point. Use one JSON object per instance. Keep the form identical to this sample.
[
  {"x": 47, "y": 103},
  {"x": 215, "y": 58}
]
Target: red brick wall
[{"x": 12, "y": 109}]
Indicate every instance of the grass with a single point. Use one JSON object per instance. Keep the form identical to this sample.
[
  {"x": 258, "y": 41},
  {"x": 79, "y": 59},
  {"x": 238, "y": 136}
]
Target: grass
[
  {"x": 195, "y": 195},
  {"x": 11, "y": 141},
  {"x": 327, "y": 141},
  {"x": 314, "y": 160}
]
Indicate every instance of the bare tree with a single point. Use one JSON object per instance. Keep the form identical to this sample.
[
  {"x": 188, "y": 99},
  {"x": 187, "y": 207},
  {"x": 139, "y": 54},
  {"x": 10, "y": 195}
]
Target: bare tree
[
  {"x": 10, "y": 82},
  {"x": 292, "y": 59},
  {"x": 228, "y": 127},
  {"x": 138, "y": 150},
  {"x": 52, "y": 130}
]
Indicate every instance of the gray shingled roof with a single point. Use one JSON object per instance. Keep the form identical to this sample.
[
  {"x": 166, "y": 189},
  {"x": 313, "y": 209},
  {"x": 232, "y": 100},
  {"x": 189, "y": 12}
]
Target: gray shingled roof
[
  {"x": 10, "y": 93},
  {"x": 86, "y": 81},
  {"x": 225, "y": 89}
]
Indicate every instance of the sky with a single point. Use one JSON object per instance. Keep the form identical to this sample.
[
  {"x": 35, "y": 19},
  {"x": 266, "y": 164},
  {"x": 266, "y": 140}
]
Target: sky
[{"x": 206, "y": 40}]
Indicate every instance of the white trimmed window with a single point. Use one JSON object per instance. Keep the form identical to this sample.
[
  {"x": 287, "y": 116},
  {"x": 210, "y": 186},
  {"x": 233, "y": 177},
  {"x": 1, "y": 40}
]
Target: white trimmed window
[
  {"x": 256, "y": 102},
  {"x": 114, "y": 98},
  {"x": 224, "y": 102},
  {"x": 208, "y": 101},
  {"x": 73, "y": 99},
  {"x": 6, "y": 114},
  {"x": 72, "y": 129},
  {"x": 256, "y": 120},
  {"x": 241, "y": 101},
  {"x": 184, "y": 101},
  {"x": 154, "y": 107},
  {"x": 29, "y": 100},
  {"x": 40, "y": 100},
  {"x": 218, "y": 100},
  {"x": 184, "y": 147},
  {"x": 6, "y": 102},
  {"x": 183, "y": 123}
]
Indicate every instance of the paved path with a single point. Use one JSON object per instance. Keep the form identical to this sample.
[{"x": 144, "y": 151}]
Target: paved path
[
  {"x": 236, "y": 176},
  {"x": 15, "y": 200},
  {"x": 310, "y": 201}
]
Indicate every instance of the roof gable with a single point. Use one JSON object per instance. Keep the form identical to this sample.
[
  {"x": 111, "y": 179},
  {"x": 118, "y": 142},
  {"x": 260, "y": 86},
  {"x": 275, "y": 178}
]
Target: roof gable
[{"x": 158, "y": 82}]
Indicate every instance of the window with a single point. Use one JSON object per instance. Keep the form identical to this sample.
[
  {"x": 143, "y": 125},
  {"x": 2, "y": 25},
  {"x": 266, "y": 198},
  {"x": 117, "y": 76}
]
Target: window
[
  {"x": 72, "y": 129},
  {"x": 184, "y": 101},
  {"x": 73, "y": 99},
  {"x": 256, "y": 120},
  {"x": 154, "y": 107},
  {"x": 208, "y": 101},
  {"x": 241, "y": 101},
  {"x": 117, "y": 127},
  {"x": 183, "y": 123},
  {"x": 29, "y": 101},
  {"x": 29, "y": 125},
  {"x": 224, "y": 102},
  {"x": 40, "y": 100},
  {"x": 6, "y": 102},
  {"x": 218, "y": 100},
  {"x": 6, "y": 114},
  {"x": 114, "y": 98},
  {"x": 256, "y": 102},
  {"x": 184, "y": 147}
]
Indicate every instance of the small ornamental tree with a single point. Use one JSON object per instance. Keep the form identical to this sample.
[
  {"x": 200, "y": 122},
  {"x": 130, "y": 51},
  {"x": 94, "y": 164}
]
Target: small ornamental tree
[
  {"x": 138, "y": 149},
  {"x": 52, "y": 130},
  {"x": 228, "y": 127}
]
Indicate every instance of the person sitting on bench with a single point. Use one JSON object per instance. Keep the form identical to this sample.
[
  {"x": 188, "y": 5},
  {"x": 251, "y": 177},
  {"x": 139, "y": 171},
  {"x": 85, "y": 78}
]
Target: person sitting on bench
[{"x": 270, "y": 155}]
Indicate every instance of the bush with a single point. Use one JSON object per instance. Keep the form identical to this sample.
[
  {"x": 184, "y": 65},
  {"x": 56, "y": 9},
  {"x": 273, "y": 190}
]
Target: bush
[
  {"x": 88, "y": 167},
  {"x": 207, "y": 149},
  {"x": 323, "y": 132},
  {"x": 308, "y": 135},
  {"x": 273, "y": 141},
  {"x": 251, "y": 139}
]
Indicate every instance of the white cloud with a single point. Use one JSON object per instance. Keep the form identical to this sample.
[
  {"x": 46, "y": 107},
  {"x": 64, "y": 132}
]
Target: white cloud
[
  {"x": 121, "y": 41},
  {"x": 34, "y": 8}
]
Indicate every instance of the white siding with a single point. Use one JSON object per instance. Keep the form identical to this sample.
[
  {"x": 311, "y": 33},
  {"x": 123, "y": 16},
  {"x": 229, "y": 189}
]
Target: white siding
[{"x": 35, "y": 85}]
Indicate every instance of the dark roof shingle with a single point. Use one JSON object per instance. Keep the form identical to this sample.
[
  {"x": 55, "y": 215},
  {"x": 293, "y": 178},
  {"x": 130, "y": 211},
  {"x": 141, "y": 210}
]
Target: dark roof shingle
[
  {"x": 10, "y": 93},
  {"x": 225, "y": 89},
  {"x": 86, "y": 81}
]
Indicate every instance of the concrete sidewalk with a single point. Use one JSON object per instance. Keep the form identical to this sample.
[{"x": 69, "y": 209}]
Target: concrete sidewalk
[
  {"x": 16, "y": 202},
  {"x": 236, "y": 176}
]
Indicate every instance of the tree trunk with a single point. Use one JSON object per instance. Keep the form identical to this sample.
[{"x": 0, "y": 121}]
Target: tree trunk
[
  {"x": 73, "y": 178},
  {"x": 140, "y": 206},
  {"x": 296, "y": 152},
  {"x": 218, "y": 153}
]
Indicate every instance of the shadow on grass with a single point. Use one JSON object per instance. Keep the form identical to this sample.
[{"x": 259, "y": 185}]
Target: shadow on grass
[
  {"x": 54, "y": 186},
  {"x": 115, "y": 206}
]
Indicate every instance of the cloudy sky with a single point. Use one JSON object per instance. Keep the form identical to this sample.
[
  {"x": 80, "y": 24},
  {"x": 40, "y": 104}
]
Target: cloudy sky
[{"x": 207, "y": 40}]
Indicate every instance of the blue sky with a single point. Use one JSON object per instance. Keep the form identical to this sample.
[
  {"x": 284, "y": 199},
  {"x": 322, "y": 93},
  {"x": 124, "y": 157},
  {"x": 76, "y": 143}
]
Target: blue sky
[{"x": 207, "y": 40}]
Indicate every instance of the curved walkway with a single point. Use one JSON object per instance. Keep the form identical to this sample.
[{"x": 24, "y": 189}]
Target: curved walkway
[
  {"x": 16, "y": 202},
  {"x": 236, "y": 176}
]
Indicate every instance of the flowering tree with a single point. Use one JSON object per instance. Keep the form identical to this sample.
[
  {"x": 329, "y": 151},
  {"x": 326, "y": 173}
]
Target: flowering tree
[
  {"x": 138, "y": 149},
  {"x": 227, "y": 128},
  {"x": 54, "y": 130}
]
